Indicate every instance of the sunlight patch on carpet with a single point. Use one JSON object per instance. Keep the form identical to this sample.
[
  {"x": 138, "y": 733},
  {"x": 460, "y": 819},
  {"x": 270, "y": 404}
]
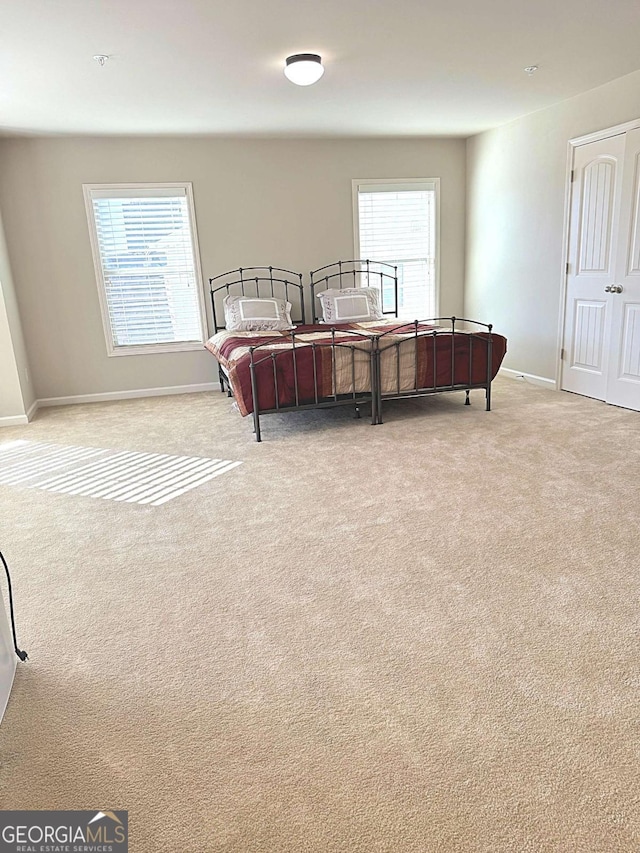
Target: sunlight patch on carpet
[{"x": 142, "y": 478}]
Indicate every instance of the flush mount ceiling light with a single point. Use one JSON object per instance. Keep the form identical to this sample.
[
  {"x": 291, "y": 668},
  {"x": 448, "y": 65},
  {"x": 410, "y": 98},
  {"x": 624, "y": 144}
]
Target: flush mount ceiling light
[
  {"x": 303, "y": 69},
  {"x": 531, "y": 70}
]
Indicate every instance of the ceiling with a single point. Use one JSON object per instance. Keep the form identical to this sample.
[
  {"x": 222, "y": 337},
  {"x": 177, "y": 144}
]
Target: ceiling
[{"x": 408, "y": 67}]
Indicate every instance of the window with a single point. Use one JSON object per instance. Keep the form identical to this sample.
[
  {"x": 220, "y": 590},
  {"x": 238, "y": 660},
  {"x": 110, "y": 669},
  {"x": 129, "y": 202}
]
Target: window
[
  {"x": 396, "y": 222},
  {"x": 144, "y": 247}
]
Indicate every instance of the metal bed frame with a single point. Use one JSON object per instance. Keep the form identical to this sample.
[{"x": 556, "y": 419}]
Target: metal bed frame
[
  {"x": 358, "y": 273},
  {"x": 274, "y": 281},
  {"x": 253, "y": 281},
  {"x": 341, "y": 274},
  {"x": 357, "y": 399},
  {"x": 484, "y": 340}
]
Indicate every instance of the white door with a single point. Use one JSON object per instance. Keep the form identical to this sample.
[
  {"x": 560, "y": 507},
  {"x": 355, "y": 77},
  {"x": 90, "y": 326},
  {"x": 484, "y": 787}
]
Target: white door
[
  {"x": 593, "y": 230},
  {"x": 623, "y": 386}
]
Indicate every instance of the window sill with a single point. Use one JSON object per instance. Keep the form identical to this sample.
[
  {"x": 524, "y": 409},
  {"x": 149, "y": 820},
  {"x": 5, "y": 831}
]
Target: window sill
[{"x": 155, "y": 349}]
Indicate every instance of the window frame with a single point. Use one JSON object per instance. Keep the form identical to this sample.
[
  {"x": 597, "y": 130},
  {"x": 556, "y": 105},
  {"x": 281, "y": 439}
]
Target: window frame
[
  {"x": 400, "y": 184},
  {"x": 144, "y": 349}
]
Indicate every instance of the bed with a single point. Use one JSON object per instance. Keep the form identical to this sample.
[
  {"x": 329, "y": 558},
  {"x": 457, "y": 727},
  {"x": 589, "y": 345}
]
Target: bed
[
  {"x": 261, "y": 282},
  {"x": 359, "y": 362},
  {"x": 443, "y": 354}
]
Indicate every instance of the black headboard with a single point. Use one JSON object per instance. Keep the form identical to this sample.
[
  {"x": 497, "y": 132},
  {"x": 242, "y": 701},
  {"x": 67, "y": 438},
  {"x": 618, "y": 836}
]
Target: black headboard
[
  {"x": 358, "y": 273},
  {"x": 259, "y": 282}
]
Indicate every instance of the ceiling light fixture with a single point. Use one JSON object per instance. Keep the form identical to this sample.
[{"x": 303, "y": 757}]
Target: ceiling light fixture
[
  {"x": 101, "y": 58},
  {"x": 303, "y": 69},
  {"x": 531, "y": 70}
]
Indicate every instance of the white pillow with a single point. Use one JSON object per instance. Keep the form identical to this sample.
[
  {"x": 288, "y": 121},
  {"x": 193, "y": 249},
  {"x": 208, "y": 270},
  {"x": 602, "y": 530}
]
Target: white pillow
[
  {"x": 251, "y": 314},
  {"x": 350, "y": 305}
]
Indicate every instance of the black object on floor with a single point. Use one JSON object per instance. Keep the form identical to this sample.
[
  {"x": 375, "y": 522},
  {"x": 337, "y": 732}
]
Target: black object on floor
[{"x": 21, "y": 654}]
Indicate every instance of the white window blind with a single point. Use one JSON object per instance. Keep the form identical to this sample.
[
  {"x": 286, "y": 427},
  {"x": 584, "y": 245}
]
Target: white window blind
[
  {"x": 145, "y": 257},
  {"x": 397, "y": 225}
]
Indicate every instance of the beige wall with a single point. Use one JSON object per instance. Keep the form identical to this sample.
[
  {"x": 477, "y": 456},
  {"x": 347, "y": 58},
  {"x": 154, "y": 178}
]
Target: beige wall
[
  {"x": 515, "y": 214},
  {"x": 16, "y": 391},
  {"x": 287, "y": 202},
  {"x": 280, "y": 202},
  {"x": 11, "y": 402}
]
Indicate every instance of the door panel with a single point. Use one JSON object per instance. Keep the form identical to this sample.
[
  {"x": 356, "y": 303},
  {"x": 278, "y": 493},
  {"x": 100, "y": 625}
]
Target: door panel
[
  {"x": 623, "y": 386},
  {"x": 633, "y": 266},
  {"x": 594, "y": 218},
  {"x": 630, "y": 367},
  {"x": 589, "y": 334}
]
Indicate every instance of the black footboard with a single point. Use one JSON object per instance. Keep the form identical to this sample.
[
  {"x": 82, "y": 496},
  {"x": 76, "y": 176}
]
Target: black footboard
[
  {"x": 442, "y": 354},
  {"x": 302, "y": 374}
]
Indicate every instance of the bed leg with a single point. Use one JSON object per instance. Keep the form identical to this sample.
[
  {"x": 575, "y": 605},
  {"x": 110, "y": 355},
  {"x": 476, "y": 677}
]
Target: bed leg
[
  {"x": 256, "y": 425},
  {"x": 489, "y": 397},
  {"x": 221, "y": 378},
  {"x": 357, "y": 414},
  {"x": 467, "y": 401},
  {"x": 375, "y": 389}
]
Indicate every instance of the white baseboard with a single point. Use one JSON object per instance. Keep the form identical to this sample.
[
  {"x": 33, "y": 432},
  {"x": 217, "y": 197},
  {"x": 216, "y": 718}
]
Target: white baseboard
[
  {"x": 542, "y": 381},
  {"x": 14, "y": 420},
  {"x": 128, "y": 395},
  {"x": 20, "y": 420}
]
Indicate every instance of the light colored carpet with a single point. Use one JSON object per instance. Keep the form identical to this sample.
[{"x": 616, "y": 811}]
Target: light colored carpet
[
  {"x": 144, "y": 478},
  {"x": 420, "y": 636}
]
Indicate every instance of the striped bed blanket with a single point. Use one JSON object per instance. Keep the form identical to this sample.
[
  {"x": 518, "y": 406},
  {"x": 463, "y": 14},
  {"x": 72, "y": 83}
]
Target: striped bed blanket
[{"x": 316, "y": 363}]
